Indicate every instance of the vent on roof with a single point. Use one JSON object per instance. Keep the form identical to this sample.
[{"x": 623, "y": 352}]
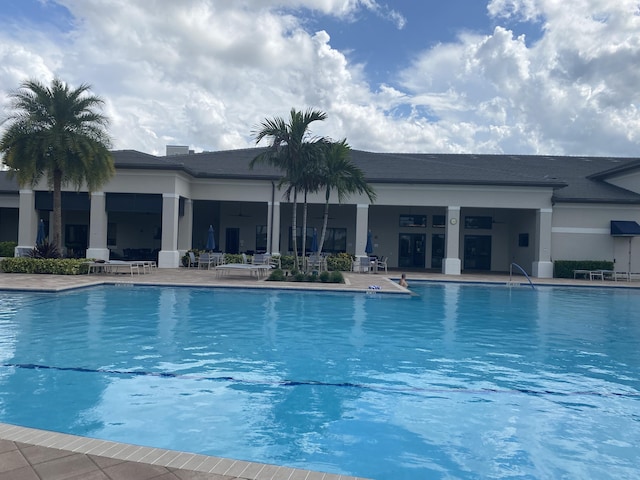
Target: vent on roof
[{"x": 178, "y": 150}]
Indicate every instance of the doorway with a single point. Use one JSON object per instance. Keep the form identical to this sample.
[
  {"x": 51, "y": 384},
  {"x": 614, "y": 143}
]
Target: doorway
[
  {"x": 411, "y": 250},
  {"x": 437, "y": 250},
  {"x": 232, "y": 240},
  {"x": 477, "y": 252}
]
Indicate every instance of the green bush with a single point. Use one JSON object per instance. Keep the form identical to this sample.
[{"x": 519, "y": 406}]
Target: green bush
[
  {"x": 565, "y": 268},
  {"x": 340, "y": 262},
  {"x": 324, "y": 277},
  {"x": 287, "y": 262},
  {"x": 277, "y": 275},
  {"x": 54, "y": 266},
  {"x": 235, "y": 258},
  {"x": 336, "y": 277},
  {"x": 7, "y": 249}
]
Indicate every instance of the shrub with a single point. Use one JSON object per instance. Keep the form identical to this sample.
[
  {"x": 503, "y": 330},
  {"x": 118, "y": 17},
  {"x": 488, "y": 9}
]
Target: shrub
[
  {"x": 277, "y": 275},
  {"x": 7, "y": 249},
  {"x": 565, "y": 268},
  {"x": 298, "y": 276},
  {"x": 45, "y": 249},
  {"x": 287, "y": 262},
  {"x": 336, "y": 277},
  {"x": 54, "y": 266},
  {"x": 340, "y": 262},
  {"x": 324, "y": 277}
]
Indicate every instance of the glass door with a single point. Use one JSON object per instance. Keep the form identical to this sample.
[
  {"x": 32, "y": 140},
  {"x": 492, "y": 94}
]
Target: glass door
[{"x": 411, "y": 250}]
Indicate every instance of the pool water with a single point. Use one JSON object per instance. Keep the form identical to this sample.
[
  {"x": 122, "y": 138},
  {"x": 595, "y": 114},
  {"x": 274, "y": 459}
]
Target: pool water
[{"x": 458, "y": 382}]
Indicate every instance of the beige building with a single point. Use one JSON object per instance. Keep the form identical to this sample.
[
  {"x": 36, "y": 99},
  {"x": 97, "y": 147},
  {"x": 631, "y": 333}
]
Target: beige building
[{"x": 443, "y": 212}]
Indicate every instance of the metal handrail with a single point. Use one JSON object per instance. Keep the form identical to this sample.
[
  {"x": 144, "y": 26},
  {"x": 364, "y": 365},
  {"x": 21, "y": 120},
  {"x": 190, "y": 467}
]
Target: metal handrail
[{"x": 522, "y": 270}]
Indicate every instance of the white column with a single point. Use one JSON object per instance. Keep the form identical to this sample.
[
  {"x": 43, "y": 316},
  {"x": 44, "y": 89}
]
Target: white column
[
  {"x": 185, "y": 227},
  {"x": 273, "y": 228},
  {"x": 27, "y": 221},
  {"x": 169, "y": 256},
  {"x": 98, "y": 227},
  {"x": 543, "y": 266},
  {"x": 451, "y": 264},
  {"x": 362, "y": 227}
]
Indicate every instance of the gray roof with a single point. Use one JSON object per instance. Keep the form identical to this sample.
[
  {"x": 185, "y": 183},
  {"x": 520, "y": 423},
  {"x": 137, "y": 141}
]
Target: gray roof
[{"x": 574, "y": 179}]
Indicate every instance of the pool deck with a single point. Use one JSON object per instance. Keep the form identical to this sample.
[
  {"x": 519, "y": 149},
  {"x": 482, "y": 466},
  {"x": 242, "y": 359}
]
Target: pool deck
[{"x": 30, "y": 454}]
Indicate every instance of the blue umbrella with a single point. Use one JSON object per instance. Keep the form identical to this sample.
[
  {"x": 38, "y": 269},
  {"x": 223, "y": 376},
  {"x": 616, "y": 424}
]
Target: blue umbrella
[
  {"x": 211, "y": 242},
  {"x": 314, "y": 241},
  {"x": 41, "y": 234},
  {"x": 369, "y": 248}
]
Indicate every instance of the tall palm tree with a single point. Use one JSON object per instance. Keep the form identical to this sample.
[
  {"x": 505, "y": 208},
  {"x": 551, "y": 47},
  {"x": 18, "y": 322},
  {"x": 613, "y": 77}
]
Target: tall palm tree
[
  {"x": 292, "y": 150},
  {"x": 341, "y": 175},
  {"x": 57, "y": 133}
]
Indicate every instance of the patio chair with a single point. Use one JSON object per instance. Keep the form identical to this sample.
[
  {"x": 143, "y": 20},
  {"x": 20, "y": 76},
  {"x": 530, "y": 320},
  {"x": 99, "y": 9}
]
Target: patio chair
[
  {"x": 364, "y": 265},
  {"x": 205, "y": 260},
  {"x": 192, "y": 260},
  {"x": 218, "y": 258},
  {"x": 315, "y": 262},
  {"x": 381, "y": 263}
]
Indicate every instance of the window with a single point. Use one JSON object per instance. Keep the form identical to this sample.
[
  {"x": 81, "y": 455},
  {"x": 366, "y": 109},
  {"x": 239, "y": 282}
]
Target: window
[
  {"x": 299, "y": 231},
  {"x": 413, "y": 221},
  {"x": 439, "y": 221},
  {"x": 335, "y": 240},
  {"x": 261, "y": 238},
  {"x": 112, "y": 234},
  {"x": 523, "y": 240},
  {"x": 475, "y": 222}
]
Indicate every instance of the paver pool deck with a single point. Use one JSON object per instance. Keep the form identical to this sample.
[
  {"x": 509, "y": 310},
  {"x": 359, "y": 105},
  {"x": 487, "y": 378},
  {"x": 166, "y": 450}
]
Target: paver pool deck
[{"x": 31, "y": 454}]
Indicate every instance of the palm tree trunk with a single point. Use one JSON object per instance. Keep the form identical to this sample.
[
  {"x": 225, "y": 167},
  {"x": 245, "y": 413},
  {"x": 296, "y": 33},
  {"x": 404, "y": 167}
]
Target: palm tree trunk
[
  {"x": 294, "y": 228},
  {"x": 304, "y": 226},
  {"x": 57, "y": 210}
]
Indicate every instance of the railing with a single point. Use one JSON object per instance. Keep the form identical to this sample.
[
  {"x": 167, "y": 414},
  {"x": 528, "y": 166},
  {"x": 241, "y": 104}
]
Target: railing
[{"x": 523, "y": 272}]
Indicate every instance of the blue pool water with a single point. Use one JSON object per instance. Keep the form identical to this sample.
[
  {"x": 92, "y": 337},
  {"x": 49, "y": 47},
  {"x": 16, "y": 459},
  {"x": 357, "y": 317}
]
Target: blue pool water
[{"x": 459, "y": 382}]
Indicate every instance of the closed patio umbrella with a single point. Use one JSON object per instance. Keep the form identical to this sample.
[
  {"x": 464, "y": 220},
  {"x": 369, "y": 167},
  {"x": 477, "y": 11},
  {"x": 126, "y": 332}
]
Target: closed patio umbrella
[
  {"x": 41, "y": 234},
  {"x": 211, "y": 241},
  {"x": 369, "y": 248}
]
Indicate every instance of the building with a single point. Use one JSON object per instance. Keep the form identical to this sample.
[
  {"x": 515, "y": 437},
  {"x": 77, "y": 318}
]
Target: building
[{"x": 444, "y": 212}]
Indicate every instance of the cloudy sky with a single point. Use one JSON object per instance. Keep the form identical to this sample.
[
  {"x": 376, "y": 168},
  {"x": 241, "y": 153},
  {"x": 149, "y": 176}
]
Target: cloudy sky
[{"x": 471, "y": 76}]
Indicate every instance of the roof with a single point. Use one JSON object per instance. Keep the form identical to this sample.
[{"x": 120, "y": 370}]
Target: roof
[{"x": 573, "y": 179}]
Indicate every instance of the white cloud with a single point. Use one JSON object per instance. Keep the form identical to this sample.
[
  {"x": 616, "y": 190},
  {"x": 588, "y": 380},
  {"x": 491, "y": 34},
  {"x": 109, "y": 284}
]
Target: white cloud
[
  {"x": 572, "y": 91},
  {"x": 204, "y": 73}
]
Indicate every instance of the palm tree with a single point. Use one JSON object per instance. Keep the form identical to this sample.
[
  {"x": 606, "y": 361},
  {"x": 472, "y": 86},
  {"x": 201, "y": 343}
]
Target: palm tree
[
  {"x": 341, "y": 175},
  {"x": 294, "y": 151},
  {"x": 57, "y": 133}
]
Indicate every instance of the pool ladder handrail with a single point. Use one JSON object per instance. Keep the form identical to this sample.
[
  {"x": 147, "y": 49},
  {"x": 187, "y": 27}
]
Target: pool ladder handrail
[{"x": 522, "y": 270}]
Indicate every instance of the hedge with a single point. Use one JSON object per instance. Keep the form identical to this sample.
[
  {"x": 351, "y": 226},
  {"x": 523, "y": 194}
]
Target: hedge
[
  {"x": 7, "y": 249},
  {"x": 565, "y": 268},
  {"x": 55, "y": 266}
]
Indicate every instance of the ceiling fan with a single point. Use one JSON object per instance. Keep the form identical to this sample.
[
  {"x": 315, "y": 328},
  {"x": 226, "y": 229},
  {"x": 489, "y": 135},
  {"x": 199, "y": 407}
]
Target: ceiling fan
[{"x": 239, "y": 214}]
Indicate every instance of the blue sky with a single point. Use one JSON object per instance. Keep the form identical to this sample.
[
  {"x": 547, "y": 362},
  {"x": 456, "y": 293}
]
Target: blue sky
[{"x": 473, "y": 76}]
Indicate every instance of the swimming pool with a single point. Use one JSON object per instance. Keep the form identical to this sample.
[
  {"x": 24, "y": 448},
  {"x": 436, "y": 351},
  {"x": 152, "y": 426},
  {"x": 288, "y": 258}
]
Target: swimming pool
[{"x": 461, "y": 381}]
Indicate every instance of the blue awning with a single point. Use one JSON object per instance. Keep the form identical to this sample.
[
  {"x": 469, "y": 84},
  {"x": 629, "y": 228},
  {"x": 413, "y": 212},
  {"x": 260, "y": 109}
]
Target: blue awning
[{"x": 624, "y": 228}]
